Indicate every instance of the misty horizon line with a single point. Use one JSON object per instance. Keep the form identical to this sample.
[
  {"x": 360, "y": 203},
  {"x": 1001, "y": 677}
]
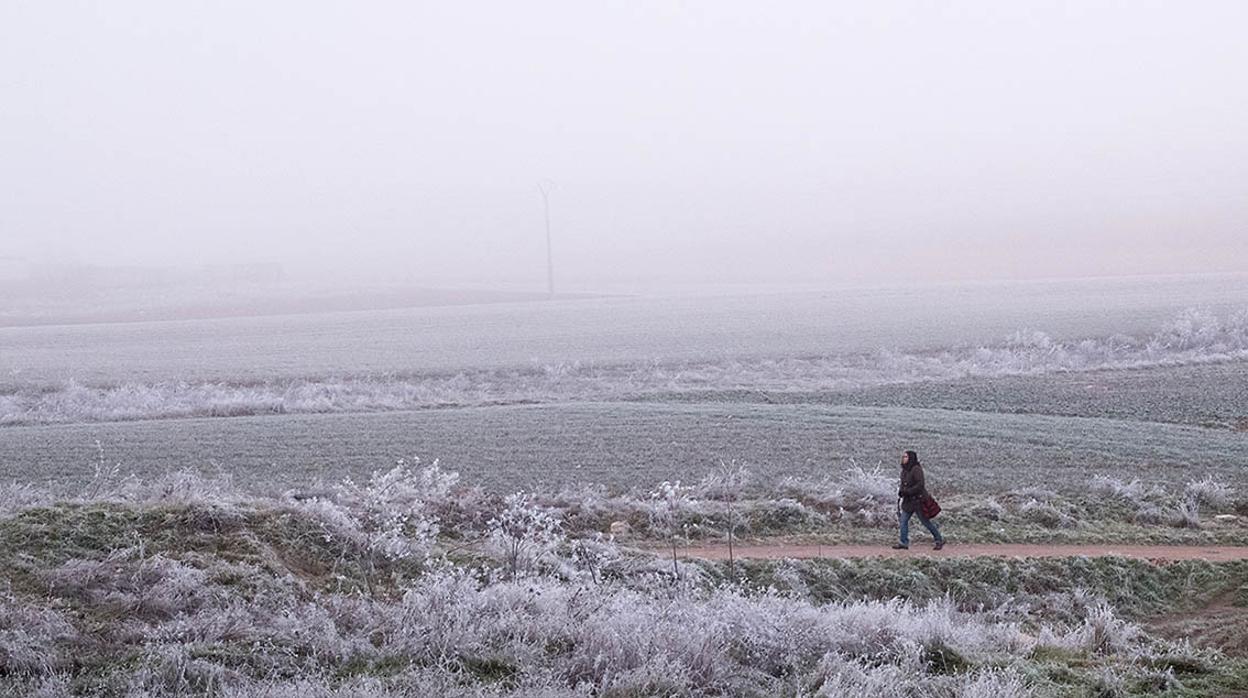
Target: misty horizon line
[{"x": 274, "y": 274}]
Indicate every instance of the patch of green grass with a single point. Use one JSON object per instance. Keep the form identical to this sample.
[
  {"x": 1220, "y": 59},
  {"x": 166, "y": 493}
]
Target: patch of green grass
[
  {"x": 389, "y": 665},
  {"x": 491, "y": 669},
  {"x": 939, "y": 658}
]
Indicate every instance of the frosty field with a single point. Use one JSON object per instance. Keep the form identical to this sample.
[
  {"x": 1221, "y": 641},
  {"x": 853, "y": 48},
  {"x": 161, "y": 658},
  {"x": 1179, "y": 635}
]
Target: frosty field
[
  {"x": 624, "y": 444},
  {"x": 994, "y": 384},
  {"x": 214, "y": 507}
]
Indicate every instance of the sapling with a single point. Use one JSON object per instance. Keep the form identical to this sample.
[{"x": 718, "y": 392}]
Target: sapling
[{"x": 668, "y": 501}]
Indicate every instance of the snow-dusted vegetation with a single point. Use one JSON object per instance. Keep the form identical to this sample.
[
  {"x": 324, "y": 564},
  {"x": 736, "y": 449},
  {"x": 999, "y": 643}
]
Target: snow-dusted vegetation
[
  {"x": 414, "y": 583},
  {"x": 1192, "y": 338}
]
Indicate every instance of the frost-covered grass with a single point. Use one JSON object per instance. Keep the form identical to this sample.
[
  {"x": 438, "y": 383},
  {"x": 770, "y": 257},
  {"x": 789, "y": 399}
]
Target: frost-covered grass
[
  {"x": 413, "y": 505},
  {"x": 413, "y": 583},
  {"x": 505, "y": 448}
]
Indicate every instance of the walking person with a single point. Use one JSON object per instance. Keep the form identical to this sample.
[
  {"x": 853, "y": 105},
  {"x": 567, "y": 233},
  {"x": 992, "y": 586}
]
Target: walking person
[{"x": 912, "y": 496}]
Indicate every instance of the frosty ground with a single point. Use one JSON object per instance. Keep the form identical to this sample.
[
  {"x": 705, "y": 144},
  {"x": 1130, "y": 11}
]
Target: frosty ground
[
  {"x": 415, "y": 583},
  {"x": 214, "y": 507}
]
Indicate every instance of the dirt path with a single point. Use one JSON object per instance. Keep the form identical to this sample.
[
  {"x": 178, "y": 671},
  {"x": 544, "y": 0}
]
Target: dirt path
[{"x": 1144, "y": 552}]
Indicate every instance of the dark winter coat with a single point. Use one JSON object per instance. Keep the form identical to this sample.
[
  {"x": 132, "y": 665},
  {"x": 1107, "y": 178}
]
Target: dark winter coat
[{"x": 913, "y": 488}]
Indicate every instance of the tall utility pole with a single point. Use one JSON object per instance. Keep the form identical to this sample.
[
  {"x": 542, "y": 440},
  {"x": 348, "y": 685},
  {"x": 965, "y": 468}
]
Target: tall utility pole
[{"x": 545, "y": 188}]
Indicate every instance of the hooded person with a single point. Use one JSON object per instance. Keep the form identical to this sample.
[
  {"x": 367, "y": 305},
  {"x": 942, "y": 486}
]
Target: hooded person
[{"x": 912, "y": 492}]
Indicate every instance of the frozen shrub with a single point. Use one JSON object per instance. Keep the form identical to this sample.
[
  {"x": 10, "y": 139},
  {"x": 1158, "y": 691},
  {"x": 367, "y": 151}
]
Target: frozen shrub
[
  {"x": 1046, "y": 515},
  {"x": 1186, "y": 514},
  {"x": 15, "y": 497},
  {"x": 1103, "y": 632},
  {"x": 416, "y": 682},
  {"x": 1133, "y": 491},
  {"x": 726, "y": 483},
  {"x": 668, "y": 503},
  {"x": 778, "y": 515},
  {"x": 524, "y": 534},
  {"x": 1150, "y": 513},
  {"x": 107, "y": 481},
  {"x": 787, "y": 578},
  {"x": 1108, "y": 682},
  {"x": 866, "y": 488},
  {"x": 336, "y": 523},
  {"x": 592, "y": 556},
  {"x": 1211, "y": 493},
  {"x": 987, "y": 508},
  {"x": 437, "y": 619},
  {"x": 1159, "y": 681},
  {"x": 658, "y": 676},
  {"x": 393, "y": 509}
]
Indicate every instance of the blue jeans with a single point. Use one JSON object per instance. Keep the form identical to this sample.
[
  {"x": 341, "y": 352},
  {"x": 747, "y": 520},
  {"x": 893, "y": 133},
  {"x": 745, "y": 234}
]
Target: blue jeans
[{"x": 927, "y": 523}]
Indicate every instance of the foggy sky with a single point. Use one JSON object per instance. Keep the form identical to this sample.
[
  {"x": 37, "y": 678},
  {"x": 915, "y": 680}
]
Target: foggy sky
[{"x": 811, "y": 141}]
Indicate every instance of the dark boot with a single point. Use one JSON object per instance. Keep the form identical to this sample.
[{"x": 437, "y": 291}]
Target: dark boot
[
  {"x": 939, "y": 544},
  {"x": 899, "y": 546}
]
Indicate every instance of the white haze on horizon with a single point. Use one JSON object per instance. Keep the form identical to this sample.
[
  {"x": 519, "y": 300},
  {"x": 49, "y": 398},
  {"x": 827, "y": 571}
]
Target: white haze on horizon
[{"x": 689, "y": 142}]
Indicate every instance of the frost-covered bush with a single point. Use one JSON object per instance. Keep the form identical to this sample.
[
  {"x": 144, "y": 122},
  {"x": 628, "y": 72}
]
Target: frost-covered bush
[
  {"x": 1210, "y": 492},
  {"x": 863, "y": 488},
  {"x": 594, "y": 556},
  {"x": 1154, "y": 505},
  {"x": 987, "y": 508},
  {"x": 729, "y": 482},
  {"x": 782, "y": 514},
  {"x": 1046, "y": 514},
  {"x": 1150, "y": 513},
  {"x": 1103, "y": 632},
  {"x": 395, "y": 509},
  {"x": 865, "y": 497},
  {"x": 669, "y": 503},
  {"x": 1132, "y": 491},
  {"x": 524, "y": 534},
  {"x": 1186, "y": 514},
  {"x": 15, "y": 496}
]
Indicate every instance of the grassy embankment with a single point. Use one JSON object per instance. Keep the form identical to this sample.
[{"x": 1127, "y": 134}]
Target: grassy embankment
[{"x": 415, "y": 584}]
